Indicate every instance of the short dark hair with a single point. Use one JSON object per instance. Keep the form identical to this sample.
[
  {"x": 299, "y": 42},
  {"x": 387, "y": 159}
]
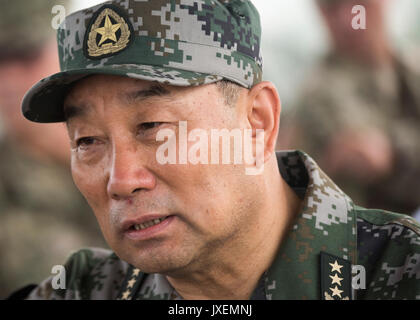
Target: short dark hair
[{"x": 230, "y": 91}]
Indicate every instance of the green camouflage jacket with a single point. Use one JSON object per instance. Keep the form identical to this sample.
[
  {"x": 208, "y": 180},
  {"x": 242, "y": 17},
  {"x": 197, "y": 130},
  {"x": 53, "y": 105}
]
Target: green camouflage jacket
[{"x": 329, "y": 237}]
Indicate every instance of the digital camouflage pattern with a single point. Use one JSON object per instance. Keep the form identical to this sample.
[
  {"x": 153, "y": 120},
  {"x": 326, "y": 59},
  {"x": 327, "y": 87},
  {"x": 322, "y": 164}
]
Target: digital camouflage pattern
[
  {"x": 385, "y": 243},
  {"x": 164, "y": 40},
  {"x": 355, "y": 97}
]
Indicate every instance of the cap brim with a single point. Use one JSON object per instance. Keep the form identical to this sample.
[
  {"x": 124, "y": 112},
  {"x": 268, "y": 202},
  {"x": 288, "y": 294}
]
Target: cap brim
[{"x": 44, "y": 101}]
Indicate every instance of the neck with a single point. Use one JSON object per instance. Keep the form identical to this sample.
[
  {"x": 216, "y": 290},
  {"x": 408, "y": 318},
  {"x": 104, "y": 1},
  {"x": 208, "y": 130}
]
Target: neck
[{"x": 235, "y": 272}]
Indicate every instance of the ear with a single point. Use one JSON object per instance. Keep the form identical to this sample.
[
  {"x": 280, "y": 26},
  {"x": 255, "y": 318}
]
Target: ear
[{"x": 263, "y": 109}]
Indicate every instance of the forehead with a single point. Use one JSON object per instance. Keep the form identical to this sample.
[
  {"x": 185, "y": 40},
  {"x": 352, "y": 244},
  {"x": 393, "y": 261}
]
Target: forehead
[
  {"x": 98, "y": 85},
  {"x": 99, "y": 90}
]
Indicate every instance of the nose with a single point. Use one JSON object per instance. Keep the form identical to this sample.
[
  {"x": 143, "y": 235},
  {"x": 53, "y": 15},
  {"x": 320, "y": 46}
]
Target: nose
[{"x": 127, "y": 174}]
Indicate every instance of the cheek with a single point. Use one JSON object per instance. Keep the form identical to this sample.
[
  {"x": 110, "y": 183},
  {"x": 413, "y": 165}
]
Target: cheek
[
  {"x": 92, "y": 184},
  {"x": 206, "y": 193}
]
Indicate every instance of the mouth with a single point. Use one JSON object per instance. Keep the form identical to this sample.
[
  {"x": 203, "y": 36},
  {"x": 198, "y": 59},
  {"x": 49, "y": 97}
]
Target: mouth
[
  {"x": 147, "y": 224},
  {"x": 147, "y": 227}
]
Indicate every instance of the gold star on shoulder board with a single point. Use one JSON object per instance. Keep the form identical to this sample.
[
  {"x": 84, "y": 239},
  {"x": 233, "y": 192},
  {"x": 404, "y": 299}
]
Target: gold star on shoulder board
[
  {"x": 336, "y": 279},
  {"x": 131, "y": 283},
  {"x": 108, "y": 31},
  {"x": 125, "y": 295},
  {"x": 336, "y": 292},
  {"x": 336, "y": 267}
]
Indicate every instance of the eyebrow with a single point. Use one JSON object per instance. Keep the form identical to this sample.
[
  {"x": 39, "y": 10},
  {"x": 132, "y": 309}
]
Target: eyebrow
[
  {"x": 72, "y": 111},
  {"x": 156, "y": 90}
]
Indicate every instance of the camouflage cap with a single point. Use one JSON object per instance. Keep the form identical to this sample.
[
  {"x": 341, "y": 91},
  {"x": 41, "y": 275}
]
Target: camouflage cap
[{"x": 176, "y": 42}]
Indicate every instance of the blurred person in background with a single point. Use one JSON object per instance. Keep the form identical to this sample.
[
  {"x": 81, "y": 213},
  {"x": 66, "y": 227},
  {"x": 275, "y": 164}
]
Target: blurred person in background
[
  {"x": 42, "y": 214},
  {"x": 359, "y": 112}
]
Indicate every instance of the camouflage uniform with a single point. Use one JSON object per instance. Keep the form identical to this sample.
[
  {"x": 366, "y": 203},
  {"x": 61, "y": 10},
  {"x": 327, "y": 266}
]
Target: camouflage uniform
[
  {"x": 352, "y": 96},
  {"x": 385, "y": 243},
  {"x": 167, "y": 41}
]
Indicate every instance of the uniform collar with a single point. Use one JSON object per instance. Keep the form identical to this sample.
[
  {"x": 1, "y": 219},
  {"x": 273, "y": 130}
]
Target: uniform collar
[{"x": 327, "y": 223}]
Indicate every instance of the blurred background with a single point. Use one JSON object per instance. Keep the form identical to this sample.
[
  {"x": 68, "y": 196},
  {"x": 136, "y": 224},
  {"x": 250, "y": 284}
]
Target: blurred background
[{"x": 350, "y": 99}]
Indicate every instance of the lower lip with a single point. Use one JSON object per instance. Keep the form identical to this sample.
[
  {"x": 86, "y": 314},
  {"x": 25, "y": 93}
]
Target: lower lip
[{"x": 149, "y": 232}]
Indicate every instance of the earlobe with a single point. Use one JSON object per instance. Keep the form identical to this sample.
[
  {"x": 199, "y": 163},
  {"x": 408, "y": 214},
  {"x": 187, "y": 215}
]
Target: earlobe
[{"x": 264, "y": 114}]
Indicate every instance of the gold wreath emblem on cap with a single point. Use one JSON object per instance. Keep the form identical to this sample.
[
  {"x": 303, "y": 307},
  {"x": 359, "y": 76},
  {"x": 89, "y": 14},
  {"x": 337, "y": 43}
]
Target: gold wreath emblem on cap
[{"x": 109, "y": 34}]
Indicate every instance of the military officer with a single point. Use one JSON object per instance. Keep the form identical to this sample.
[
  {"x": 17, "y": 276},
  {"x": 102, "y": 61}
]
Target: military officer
[{"x": 136, "y": 71}]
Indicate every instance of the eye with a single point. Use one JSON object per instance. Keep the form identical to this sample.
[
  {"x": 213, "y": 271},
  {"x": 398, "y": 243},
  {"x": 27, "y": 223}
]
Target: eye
[
  {"x": 150, "y": 125},
  {"x": 85, "y": 142}
]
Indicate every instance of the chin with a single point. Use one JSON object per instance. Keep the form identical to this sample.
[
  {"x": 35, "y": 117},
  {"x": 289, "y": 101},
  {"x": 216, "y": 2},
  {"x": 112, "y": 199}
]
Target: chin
[
  {"x": 156, "y": 256},
  {"x": 160, "y": 262},
  {"x": 165, "y": 267}
]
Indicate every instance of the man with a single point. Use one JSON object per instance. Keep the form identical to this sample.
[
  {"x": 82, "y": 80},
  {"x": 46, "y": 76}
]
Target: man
[
  {"x": 42, "y": 214},
  {"x": 193, "y": 230},
  {"x": 362, "y": 121}
]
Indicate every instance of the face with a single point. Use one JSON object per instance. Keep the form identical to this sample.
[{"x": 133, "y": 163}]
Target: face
[{"x": 186, "y": 213}]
